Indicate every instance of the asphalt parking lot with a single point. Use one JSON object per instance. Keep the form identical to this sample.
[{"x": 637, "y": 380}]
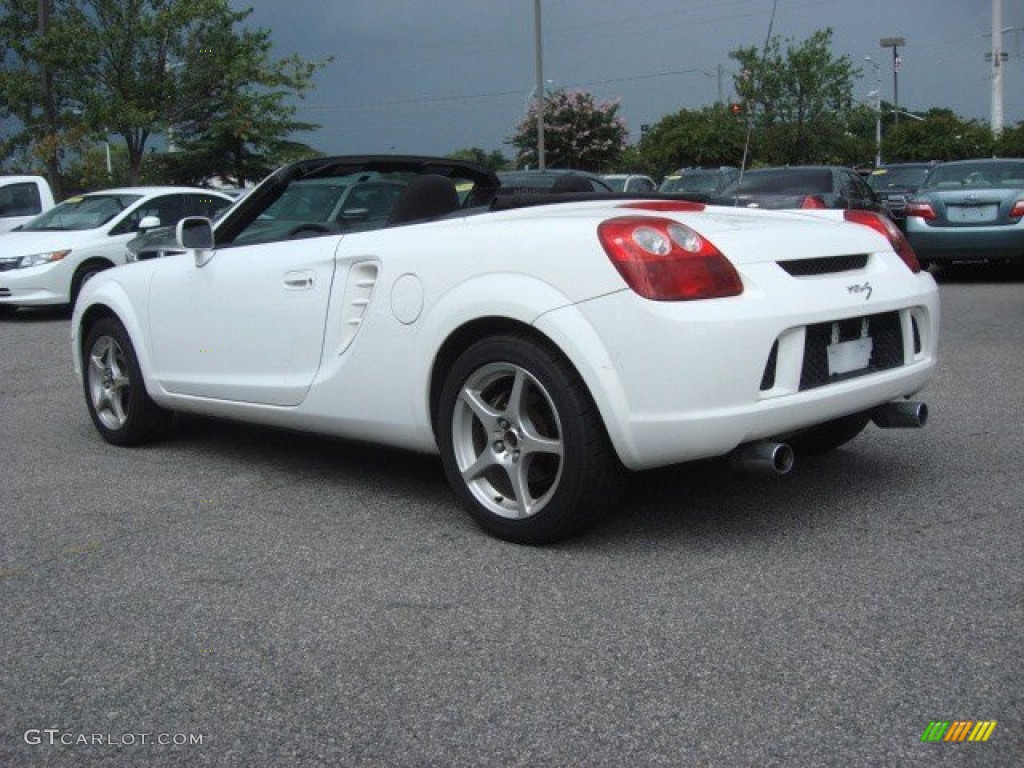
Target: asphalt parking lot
[{"x": 244, "y": 597}]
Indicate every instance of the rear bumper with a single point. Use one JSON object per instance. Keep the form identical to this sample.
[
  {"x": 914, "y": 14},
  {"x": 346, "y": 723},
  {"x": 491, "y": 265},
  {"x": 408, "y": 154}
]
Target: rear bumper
[
  {"x": 947, "y": 244},
  {"x": 689, "y": 380}
]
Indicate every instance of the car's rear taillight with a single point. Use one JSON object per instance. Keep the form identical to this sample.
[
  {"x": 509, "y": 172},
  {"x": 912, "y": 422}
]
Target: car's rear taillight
[
  {"x": 813, "y": 201},
  {"x": 666, "y": 205},
  {"x": 664, "y": 260},
  {"x": 921, "y": 209},
  {"x": 1017, "y": 211},
  {"x": 884, "y": 226}
]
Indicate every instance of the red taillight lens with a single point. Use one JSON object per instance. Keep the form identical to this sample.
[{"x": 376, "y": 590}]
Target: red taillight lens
[
  {"x": 812, "y": 201},
  {"x": 666, "y": 205},
  {"x": 664, "y": 260},
  {"x": 921, "y": 210},
  {"x": 884, "y": 226},
  {"x": 1018, "y": 210}
]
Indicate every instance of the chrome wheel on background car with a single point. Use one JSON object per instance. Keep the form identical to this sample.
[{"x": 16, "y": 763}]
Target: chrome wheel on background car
[
  {"x": 114, "y": 390},
  {"x": 522, "y": 442}
]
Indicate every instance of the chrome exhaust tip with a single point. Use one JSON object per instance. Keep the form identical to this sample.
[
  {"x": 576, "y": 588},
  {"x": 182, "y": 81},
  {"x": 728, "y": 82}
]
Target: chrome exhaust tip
[
  {"x": 902, "y": 414},
  {"x": 764, "y": 457}
]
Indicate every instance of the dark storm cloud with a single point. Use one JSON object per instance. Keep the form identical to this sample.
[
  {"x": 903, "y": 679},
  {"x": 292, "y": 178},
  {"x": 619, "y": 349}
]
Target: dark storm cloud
[{"x": 432, "y": 76}]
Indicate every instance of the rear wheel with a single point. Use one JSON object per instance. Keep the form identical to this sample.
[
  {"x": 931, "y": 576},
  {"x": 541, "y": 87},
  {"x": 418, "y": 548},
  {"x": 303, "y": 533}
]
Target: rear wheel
[
  {"x": 522, "y": 443},
  {"x": 830, "y": 435},
  {"x": 115, "y": 393}
]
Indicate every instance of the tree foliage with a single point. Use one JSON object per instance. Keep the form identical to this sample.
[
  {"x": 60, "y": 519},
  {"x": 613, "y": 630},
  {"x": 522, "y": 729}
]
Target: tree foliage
[
  {"x": 941, "y": 135},
  {"x": 711, "y": 136},
  {"x": 135, "y": 68},
  {"x": 578, "y": 133},
  {"x": 798, "y": 99},
  {"x": 495, "y": 160}
]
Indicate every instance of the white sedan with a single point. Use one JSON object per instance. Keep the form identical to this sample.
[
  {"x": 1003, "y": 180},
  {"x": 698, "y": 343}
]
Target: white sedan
[
  {"x": 47, "y": 260},
  {"x": 541, "y": 347}
]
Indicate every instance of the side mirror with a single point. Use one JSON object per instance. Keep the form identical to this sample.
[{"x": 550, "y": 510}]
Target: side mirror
[
  {"x": 195, "y": 234},
  {"x": 149, "y": 222}
]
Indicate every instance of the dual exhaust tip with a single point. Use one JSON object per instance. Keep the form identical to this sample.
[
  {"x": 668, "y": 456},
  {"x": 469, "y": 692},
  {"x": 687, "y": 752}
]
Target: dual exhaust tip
[{"x": 772, "y": 458}]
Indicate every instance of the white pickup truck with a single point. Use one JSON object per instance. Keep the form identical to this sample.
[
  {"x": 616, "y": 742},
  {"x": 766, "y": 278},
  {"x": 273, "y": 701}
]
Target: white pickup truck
[{"x": 22, "y": 198}]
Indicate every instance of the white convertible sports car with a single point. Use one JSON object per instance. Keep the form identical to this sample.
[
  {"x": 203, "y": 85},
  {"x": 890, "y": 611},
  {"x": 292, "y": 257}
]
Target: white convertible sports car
[{"x": 539, "y": 343}]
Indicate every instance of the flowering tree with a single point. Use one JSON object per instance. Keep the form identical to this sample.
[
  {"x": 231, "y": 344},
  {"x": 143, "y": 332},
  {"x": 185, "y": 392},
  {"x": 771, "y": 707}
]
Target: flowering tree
[{"x": 578, "y": 133}]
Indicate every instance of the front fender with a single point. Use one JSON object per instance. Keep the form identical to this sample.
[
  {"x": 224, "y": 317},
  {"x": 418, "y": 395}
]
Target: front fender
[{"x": 106, "y": 294}]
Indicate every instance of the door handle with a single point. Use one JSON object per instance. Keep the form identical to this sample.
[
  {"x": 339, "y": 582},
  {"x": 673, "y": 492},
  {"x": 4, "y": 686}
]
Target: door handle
[{"x": 298, "y": 281}]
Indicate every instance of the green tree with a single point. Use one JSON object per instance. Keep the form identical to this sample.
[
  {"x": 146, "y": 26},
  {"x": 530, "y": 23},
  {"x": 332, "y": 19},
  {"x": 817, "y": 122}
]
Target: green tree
[
  {"x": 941, "y": 135},
  {"x": 37, "y": 48},
  {"x": 495, "y": 160},
  {"x": 1011, "y": 142},
  {"x": 135, "y": 68},
  {"x": 578, "y": 133},
  {"x": 798, "y": 99},
  {"x": 711, "y": 136}
]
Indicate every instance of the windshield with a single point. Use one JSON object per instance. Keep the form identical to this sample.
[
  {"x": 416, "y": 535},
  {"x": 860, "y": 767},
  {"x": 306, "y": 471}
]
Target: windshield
[
  {"x": 617, "y": 184},
  {"x": 1007, "y": 175},
  {"x": 783, "y": 182},
  {"x": 698, "y": 181},
  {"x": 80, "y": 213},
  {"x": 889, "y": 178}
]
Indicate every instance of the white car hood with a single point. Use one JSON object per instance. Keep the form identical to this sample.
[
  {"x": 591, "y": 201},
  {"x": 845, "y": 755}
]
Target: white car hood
[{"x": 26, "y": 243}]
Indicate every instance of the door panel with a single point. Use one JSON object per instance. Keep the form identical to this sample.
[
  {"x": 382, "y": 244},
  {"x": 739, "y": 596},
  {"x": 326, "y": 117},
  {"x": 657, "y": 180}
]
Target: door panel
[{"x": 247, "y": 326}]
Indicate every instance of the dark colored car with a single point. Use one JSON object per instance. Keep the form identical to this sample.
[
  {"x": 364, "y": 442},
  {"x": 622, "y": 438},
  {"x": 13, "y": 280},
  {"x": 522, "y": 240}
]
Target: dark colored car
[
  {"x": 895, "y": 183},
  {"x": 969, "y": 210},
  {"x": 698, "y": 181},
  {"x": 551, "y": 180},
  {"x": 805, "y": 186}
]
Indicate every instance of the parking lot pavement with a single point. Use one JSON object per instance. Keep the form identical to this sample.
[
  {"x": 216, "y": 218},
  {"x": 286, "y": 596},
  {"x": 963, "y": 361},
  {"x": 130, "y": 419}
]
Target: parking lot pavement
[{"x": 262, "y": 598}]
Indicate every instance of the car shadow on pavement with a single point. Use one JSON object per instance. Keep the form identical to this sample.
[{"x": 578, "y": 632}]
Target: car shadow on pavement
[
  {"x": 37, "y": 315},
  {"x": 979, "y": 273}
]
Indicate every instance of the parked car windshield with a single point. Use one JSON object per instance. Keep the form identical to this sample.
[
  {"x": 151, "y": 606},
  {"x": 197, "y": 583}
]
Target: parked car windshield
[
  {"x": 886, "y": 178},
  {"x": 1008, "y": 174},
  {"x": 796, "y": 181},
  {"x": 693, "y": 181},
  {"x": 80, "y": 213}
]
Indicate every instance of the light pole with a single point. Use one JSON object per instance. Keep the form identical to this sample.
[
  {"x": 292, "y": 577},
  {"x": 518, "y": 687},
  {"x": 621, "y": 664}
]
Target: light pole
[
  {"x": 878, "y": 109},
  {"x": 539, "y": 56},
  {"x": 895, "y": 43}
]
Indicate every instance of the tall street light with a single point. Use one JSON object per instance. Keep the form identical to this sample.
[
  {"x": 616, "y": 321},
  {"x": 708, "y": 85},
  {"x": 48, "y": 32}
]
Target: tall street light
[
  {"x": 878, "y": 109},
  {"x": 895, "y": 43},
  {"x": 539, "y": 55}
]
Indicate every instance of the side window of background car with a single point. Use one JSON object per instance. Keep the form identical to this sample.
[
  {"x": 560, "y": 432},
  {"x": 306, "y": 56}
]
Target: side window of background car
[
  {"x": 167, "y": 208},
  {"x": 204, "y": 205},
  {"x": 20, "y": 200}
]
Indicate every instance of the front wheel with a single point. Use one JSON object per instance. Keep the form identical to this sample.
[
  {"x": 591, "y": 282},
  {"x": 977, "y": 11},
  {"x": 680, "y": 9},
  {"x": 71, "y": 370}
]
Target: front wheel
[
  {"x": 84, "y": 274},
  {"x": 522, "y": 442},
  {"x": 115, "y": 393}
]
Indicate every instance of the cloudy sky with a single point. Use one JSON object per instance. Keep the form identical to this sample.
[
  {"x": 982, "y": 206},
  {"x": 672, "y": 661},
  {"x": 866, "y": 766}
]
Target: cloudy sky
[{"x": 432, "y": 76}]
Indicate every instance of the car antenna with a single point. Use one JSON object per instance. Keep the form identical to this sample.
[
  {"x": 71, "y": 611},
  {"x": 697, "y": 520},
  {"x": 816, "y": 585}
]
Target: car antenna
[{"x": 750, "y": 116}]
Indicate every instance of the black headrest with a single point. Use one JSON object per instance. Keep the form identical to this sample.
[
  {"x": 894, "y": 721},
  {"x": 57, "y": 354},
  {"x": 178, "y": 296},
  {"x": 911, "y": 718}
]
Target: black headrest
[{"x": 427, "y": 197}]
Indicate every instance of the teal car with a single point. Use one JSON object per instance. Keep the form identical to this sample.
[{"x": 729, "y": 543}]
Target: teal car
[{"x": 969, "y": 211}]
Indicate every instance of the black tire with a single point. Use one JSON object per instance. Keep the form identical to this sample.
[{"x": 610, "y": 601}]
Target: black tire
[
  {"x": 8, "y": 310},
  {"x": 84, "y": 273},
  {"x": 830, "y": 435},
  {"x": 115, "y": 393},
  {"x": 534, "y": 472}
]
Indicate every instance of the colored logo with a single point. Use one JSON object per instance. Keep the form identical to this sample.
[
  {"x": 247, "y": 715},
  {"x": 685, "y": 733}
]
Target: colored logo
[{"x": 958, "y": 730}]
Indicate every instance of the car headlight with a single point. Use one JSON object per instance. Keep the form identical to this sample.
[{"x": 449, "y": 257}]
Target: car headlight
[{"x": 37, "y": 259}]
